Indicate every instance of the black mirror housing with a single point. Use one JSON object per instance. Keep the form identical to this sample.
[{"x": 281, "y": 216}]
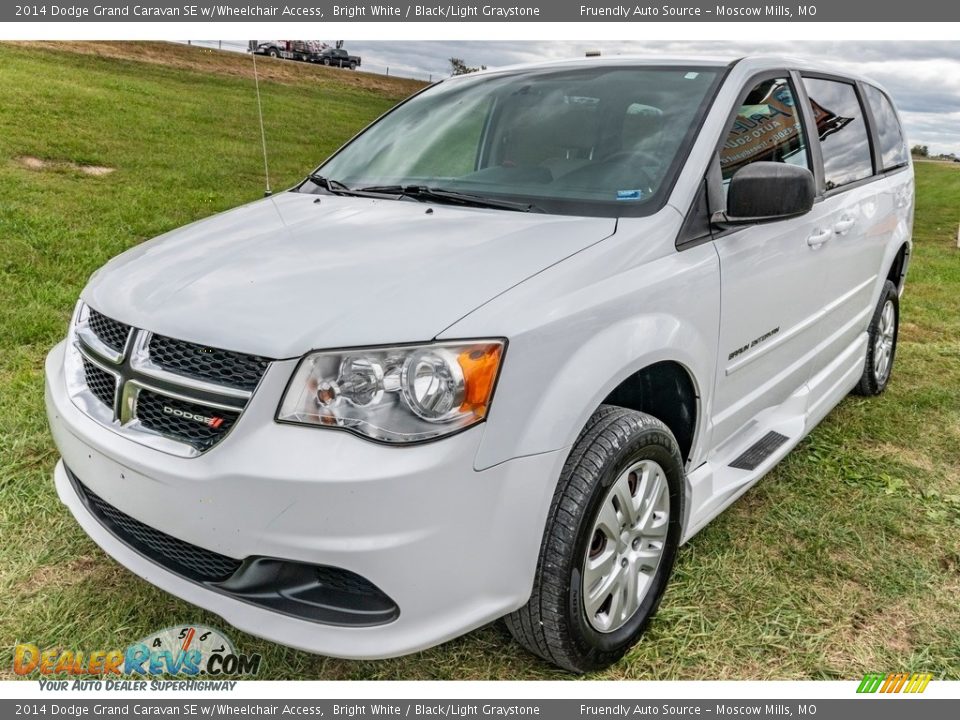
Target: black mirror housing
[{"x": 769, "y": 191}]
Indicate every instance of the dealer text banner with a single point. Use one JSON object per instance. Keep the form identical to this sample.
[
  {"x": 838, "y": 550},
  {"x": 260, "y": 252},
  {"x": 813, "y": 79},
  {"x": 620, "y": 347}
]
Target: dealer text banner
[
  {"x": 502, "y": 11},
  {"x": 425, "y": 708}
]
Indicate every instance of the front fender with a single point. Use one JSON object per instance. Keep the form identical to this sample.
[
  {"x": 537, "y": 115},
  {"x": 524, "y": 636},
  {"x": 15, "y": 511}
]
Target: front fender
[
  {"x": 556, "y": 407},
  {"x": 579, "y": 329}
]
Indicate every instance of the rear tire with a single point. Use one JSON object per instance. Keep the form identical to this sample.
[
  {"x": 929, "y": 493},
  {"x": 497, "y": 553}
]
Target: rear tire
[
  {"x": 881, "y": 343},
  {"x": 607, "y": 550}
]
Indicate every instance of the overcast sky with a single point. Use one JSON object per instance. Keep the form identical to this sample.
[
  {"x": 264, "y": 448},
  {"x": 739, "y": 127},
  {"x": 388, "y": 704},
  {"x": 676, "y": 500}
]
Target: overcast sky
[{"x": 923, "y": 77}]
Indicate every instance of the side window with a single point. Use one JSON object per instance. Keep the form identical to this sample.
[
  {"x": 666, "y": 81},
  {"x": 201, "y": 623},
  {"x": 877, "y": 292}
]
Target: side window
[
  {"x": 767, "y": 127},
  {"x": 893, "y": 145},
  {"x": 844, "y": 141}
]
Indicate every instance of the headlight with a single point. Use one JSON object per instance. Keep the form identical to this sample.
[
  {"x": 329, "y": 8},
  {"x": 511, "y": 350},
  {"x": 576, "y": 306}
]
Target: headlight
[{"x": 397, "y": 394}]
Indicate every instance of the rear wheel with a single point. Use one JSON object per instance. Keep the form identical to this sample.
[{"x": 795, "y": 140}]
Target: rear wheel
[
  {"x": 881, "y": 343},
  {"x": 610, "y": 543},
  {"x": 326, "y": 61}
]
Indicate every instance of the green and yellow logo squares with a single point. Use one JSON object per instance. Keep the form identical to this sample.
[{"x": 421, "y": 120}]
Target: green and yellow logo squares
[{"x": 894, "y": 682}]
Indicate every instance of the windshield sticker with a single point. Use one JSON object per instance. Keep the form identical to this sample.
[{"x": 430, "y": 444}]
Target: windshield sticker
[{"x": 629, "y": 194}]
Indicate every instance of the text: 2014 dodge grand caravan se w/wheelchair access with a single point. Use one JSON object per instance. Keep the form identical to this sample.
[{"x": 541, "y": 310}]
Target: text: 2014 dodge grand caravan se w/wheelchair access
[{"x": 501, "y": 355}]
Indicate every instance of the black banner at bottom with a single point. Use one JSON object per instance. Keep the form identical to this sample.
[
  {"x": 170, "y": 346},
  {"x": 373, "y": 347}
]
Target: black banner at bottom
[{"x": 873, "y": 707}]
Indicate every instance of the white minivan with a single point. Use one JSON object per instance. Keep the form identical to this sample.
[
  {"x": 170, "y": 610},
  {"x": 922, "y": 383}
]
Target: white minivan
[{"x": 500, "y": 355}]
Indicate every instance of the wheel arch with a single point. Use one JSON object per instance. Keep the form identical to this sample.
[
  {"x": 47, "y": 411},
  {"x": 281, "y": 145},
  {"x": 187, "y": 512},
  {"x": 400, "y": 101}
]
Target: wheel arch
[
  {"x": 668, "y": 391},
  {"x": 898, "y": 266},
  {"x": 545, "y": 398}
]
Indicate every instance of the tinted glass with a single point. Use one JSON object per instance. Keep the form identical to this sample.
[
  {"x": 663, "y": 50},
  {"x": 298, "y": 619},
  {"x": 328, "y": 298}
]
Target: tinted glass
[
  {"x": 597, "y": 140},
  {"x": 843, "y": 133},
  {"x": 767, "y": 127},
  {"x": 893, "y": 146}
]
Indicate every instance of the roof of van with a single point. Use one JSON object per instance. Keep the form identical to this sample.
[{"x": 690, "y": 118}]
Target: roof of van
[{"x": 756, "y": 63}]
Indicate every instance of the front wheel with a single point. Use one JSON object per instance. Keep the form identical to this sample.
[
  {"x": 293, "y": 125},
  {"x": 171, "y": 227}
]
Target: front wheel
[
  {"x": 610, "y": 543},
  {"x": 326, "y": 61},
  {"x": 881, "y": 343}
]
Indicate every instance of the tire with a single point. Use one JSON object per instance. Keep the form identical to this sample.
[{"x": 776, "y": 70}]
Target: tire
[
  {"x": 272, "y": 52},
  {"x": 353, "y": 66},
  {"x": 326, "y": 61},
  {"x": 881, "y": 343},
  {"x": 564, "y": 620}
]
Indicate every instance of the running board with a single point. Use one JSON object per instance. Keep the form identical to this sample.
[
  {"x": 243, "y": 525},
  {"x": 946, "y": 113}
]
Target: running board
[{"x": 763, "y": 448}]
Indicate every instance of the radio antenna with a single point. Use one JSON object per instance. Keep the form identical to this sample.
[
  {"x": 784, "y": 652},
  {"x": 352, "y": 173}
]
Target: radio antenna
[{"x": 263, "y": 136}]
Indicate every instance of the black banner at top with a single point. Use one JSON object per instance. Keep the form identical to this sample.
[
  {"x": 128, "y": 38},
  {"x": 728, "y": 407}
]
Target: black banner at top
[{"x": 491, "y": 11}]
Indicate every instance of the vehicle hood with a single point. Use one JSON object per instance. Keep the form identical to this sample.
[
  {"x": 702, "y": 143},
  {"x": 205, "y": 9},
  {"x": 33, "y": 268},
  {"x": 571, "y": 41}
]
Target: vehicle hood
[{"x": 296, "y": 272}]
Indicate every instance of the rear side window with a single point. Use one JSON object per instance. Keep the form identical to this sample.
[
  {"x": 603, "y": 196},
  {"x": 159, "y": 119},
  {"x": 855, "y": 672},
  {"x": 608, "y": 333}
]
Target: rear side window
[
  {"x": 893, "y": 145},
  {"x": 767, "y": 127},
  {"x": 844, "y": 141}
]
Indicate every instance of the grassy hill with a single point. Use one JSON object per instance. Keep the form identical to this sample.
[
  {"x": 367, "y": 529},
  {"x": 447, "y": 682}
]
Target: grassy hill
[{"x": 846, "y": 559}]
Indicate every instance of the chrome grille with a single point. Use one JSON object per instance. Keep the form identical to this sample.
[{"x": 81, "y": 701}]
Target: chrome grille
[
  {"x": 177, "y": 418},
  {"x": 213, "y": 364},
  {"x": 102, "y": 384},
  {"x": 177, "y": 396},
  {"x": 113, "y": 334}
]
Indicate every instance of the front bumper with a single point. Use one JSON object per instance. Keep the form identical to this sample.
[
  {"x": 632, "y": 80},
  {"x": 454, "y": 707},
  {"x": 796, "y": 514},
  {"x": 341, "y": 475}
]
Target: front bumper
[{"x": 454, "y": 548}]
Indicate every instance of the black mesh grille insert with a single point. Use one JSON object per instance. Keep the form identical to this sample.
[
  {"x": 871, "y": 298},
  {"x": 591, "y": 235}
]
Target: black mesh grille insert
[
  {"x": 211, "y": 364},
  {"x": 345, "y": 581},
  {"x": 192, "y": 423},
  {"x": 179, "y": 556},
  {"x": 102, "y": 384},
  {"x": 113, "y": 334},
  {"x": 311, "y": 592}
]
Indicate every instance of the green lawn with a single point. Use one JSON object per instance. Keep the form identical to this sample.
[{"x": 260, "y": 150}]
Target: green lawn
[{"x": 846, "y": 559}]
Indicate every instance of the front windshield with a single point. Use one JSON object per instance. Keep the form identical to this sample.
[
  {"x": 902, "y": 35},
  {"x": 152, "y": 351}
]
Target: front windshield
[{"x": 590, "y": 141}]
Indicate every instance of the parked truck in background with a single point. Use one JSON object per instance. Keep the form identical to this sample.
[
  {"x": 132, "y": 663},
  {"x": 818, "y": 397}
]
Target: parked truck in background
[
  {"x": 307, "y": 51},
  {"x": 338, "y": 57}
]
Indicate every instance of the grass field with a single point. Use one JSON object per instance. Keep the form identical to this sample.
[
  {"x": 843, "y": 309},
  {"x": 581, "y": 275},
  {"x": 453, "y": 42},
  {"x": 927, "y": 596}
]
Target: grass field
[{"x": 845, "y": 559}]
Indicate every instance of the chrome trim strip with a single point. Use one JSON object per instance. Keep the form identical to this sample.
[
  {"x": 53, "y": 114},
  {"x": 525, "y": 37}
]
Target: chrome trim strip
[
  {"x": 141, "y": 362},
  {"x": 88, "y": 404},
  {"x": 140, "y": 385},
  {"x": 89, "y": 338},
  {"x": 142, "y": 435},
  {"x": 78, "y": 388}
]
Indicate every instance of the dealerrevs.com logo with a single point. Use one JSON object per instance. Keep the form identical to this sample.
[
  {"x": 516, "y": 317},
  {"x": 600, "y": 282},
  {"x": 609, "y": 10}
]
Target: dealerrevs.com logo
[{"x": 182, "y": 650}]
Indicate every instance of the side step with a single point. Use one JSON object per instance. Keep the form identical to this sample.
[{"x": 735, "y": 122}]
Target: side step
[{"x": 759, "y": 451}]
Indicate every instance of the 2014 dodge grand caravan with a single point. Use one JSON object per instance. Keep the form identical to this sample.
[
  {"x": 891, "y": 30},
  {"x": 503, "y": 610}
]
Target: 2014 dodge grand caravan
[{"x": 501, "y": 355}]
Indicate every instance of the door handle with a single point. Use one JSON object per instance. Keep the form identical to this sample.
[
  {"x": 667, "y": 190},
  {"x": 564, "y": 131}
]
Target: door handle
[
  {"x": 843, "y": 225},
  {"x": 819, "y": 237}
]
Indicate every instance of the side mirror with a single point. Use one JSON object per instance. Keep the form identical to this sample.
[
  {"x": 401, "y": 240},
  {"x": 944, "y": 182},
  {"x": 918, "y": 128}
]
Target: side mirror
[{"x": 768, "y": 191}]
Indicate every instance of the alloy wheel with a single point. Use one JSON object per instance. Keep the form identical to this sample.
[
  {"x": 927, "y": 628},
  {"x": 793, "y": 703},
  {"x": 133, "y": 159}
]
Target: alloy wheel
[
  {"x": 626, "y": 545},
  {"x": 883, "y": 342}
]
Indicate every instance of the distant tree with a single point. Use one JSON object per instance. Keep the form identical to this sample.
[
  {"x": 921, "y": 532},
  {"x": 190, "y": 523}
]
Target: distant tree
[
  {"x": 920, "y": 151},
  {"x": 459, "y": 67}
]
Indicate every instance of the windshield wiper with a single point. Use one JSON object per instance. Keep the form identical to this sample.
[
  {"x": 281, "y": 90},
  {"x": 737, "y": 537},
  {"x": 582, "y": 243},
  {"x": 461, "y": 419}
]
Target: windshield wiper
[
  {"x": 333, "y": 186},
  {"x": 454, "y": 197}
]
